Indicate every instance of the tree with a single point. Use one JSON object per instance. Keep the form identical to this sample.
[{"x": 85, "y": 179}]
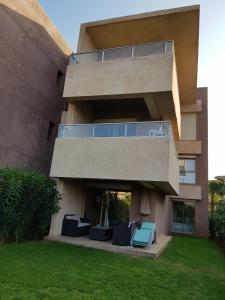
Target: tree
[{"x": 217, "y": 192}]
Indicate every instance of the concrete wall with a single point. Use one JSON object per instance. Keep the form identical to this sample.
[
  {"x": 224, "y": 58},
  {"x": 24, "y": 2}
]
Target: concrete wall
[
  {"x": 190, "y": 192},
  {"x": 132, "y": 158},
  {"x": 188, "y": 127},
  {"x": 129, "y": 76},
  {"x": 72, "y": 202},
  {"x": 159, "y": 205},
  {"x": 31, "y": 53}
]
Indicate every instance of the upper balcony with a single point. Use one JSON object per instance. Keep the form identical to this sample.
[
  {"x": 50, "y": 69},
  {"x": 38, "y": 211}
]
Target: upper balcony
[
  {"x": 127, "y": 52},
  {"x": 146, "y": 71},
  {"x": 137, "y": 151}
]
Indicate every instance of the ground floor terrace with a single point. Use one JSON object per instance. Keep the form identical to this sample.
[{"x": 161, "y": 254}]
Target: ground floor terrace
[
  {"x": 107, "y": 204},
  {"x": 84, "y": 241}
]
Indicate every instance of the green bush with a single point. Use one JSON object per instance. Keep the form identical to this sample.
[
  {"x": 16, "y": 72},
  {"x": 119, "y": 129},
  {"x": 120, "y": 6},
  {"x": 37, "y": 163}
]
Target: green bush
[
  {"x": 217, "y": 222},
  {"x": 27, "y": 200}
]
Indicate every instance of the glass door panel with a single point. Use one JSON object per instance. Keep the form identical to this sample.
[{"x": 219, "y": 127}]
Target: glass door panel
[{"x": 183, "y": 217}]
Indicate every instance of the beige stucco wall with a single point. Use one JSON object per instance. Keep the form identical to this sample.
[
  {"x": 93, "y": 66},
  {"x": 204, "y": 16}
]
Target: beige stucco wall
[
  {"x": 192, "y": 192},
  {"x": 188, "y": 127},
  {"x": 176, "y": 96},
  {"x": 162, "y": 214},
  {"x": 85, "y": 43},
  {"x": 159, "y": 206},
  {"x": 173, "y": 167},
  {"x": 132, "y": 158},
  {"x": 189, "y": 147},
  {"x": 78, "y": 113},
  {"x": 72, "y": 202},
  {"x": 120, "y": 77}
]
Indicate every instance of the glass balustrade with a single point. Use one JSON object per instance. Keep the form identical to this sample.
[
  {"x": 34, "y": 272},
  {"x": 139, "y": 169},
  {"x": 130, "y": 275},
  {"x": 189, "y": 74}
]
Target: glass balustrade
[
  {"x": 95, "y": 130},
  {"x": 131, "y": 52}
]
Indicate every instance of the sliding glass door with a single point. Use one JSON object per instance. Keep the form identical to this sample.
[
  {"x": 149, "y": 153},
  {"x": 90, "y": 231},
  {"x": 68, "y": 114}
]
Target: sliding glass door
[{"x": 183, "y": 219}]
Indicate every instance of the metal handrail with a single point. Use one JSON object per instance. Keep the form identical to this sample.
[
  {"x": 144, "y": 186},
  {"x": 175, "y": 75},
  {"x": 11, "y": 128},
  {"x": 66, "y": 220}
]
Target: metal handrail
[
  {"x": 128, "y": 46},
  {"x": 132, "y": 47}
]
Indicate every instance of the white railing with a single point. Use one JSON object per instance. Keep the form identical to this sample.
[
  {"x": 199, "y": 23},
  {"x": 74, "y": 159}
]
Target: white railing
[
  {"x": 132, "y": 129},
  {"x": 122, "y": 52}
]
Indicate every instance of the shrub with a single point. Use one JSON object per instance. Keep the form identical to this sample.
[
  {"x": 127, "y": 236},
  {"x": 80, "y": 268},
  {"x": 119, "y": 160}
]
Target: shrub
[
  {"x": 27, "y": 200},
  {"x": 217, "y": 222}
]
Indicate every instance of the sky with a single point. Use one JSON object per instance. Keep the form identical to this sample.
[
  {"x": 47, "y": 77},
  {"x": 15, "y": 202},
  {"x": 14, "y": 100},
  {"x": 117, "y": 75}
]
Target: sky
[{"x": 67, "y": 15}]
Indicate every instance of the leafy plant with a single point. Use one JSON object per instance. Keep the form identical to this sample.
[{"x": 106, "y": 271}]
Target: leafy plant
[
  {"x": 27, "y": 200},
  {"x": 217, "y": 191},
  {"x": 217, "y": 222}
]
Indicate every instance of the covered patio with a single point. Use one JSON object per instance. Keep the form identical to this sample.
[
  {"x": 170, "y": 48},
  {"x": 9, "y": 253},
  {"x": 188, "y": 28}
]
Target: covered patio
[{"x": 152, "y": 252}]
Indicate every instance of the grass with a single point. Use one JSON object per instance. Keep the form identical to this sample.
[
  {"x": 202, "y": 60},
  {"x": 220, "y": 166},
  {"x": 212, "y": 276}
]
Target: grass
[{"x": 190, "y": 268}]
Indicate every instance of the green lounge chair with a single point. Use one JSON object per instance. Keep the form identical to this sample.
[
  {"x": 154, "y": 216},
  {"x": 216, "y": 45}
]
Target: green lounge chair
[{"x": 145, "y": 235}]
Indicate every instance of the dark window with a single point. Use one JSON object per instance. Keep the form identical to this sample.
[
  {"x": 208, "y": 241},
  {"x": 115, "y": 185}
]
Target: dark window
[
  {"x": 59, "y": 78},
  {"x": 51, "y": 129},
  {"x": 66, "y": 106}
]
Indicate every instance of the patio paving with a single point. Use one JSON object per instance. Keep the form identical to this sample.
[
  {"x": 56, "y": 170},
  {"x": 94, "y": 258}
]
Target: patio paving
[{"x": 153, "y": 251}]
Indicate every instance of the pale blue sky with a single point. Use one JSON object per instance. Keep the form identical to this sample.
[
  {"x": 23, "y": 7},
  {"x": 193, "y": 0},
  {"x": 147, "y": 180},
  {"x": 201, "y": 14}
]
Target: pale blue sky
[{"x": 69, "y": 14}]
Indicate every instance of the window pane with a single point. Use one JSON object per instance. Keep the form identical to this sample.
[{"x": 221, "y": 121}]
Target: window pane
[
  {"x": 187, "y": 171},
  {"x": 190, "y": 164}
]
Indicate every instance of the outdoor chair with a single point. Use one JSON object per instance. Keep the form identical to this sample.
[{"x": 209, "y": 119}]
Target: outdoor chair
[
  {"x": 145, "y": 235},
  {"x": 73, "y": 225},
  {"x": 122, "y": 233}
]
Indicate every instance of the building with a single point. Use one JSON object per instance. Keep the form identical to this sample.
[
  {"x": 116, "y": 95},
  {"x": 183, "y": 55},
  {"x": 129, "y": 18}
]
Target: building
[
  {"x": 33, "y": 59},
  {"x": 136, "y": 122}
]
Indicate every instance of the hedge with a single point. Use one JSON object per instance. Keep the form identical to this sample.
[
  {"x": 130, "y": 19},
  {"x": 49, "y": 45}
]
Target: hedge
[
  {"x": 28, "y": 198},
  {"x": 217, "y": 222}
]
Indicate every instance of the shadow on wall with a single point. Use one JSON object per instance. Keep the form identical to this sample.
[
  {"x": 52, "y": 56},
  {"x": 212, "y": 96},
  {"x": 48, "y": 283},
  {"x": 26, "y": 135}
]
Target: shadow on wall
[{"x": 32, "y": 72}]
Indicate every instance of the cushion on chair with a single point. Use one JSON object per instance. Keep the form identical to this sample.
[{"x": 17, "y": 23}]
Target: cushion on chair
[
  {"x": 142, "y": 236},
  {"x": 82, "y": 224},
  {"x": 147, "y": 225},
  {"x": 73, "y": 217}
]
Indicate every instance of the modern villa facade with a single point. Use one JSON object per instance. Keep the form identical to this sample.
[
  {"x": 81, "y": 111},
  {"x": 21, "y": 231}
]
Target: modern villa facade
[
  {"x": 33, "y": 62},
  {"x": 136, "y": 122}
]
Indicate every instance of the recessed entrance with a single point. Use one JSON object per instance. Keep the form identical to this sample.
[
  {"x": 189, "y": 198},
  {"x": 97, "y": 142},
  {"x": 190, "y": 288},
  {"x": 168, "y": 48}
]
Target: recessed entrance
[
  {"x": 108, "y": 207},
  {"x": 183, "y": 217}
]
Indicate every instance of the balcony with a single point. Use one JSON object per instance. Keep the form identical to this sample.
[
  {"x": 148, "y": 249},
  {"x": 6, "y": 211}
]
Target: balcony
[
  {"x": 129, "y": 52},
  {"x": 146, "y": 71},
  {"x": 143, "y": 152},
  {"x": 131, "y": 129}
]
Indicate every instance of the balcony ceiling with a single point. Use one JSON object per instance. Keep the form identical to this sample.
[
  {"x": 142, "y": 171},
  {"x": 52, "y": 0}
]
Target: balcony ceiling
[{"x": 180, "y": 25}]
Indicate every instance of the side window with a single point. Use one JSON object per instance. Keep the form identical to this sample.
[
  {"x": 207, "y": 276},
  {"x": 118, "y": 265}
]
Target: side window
[
  {"x": 66, "y": 106},
  {"x": 187, "y": 171},
  {"x": 59, "y": 78}
]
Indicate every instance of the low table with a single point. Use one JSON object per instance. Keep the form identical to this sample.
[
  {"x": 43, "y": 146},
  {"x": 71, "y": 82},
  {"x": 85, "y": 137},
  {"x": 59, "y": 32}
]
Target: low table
[{"x": 100, "y": 233}]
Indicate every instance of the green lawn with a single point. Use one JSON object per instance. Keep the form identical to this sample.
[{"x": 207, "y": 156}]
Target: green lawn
[{"x": 188, "y": 269}]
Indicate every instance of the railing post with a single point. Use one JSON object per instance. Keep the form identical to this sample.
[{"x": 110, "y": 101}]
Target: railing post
[
  {"x": 103, "y": 55},
  {"x": 126, "y": 129},
  {"x": 132, "y": 52},
  {"x": 165, "y": 47}
]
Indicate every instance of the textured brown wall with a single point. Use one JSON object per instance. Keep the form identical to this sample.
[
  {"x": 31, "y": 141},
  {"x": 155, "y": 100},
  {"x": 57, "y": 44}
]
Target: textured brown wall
[
  {"x": 31, "y": 53},
  {"x": 160, "y": 209},
  {"x": 202, "y": 165}
]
